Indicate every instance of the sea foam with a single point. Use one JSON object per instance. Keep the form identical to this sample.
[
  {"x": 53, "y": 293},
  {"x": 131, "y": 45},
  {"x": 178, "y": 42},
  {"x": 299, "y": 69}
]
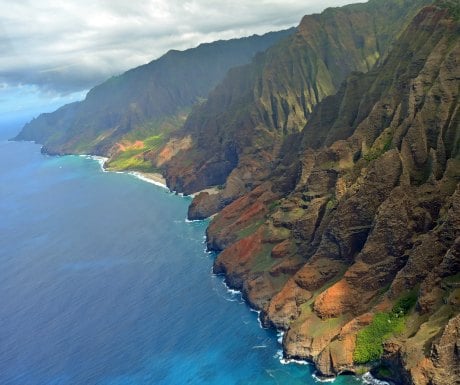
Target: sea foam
[
  {"x": 368, "y": 378},
  {"x": 99, "y": 159}
]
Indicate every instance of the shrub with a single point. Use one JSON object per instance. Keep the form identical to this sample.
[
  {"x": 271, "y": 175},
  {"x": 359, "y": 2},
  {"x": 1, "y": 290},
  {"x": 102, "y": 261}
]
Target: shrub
[
  {"x": 405, "y": 303},
  {"x": 369, "y": 340}
]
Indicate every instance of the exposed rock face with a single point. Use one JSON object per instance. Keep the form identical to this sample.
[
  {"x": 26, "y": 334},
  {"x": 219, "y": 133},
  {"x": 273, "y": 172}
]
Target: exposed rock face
[
  {"x": 239, "y": 130},
  {"x": 440, "y": 367},
  {"x": 339, "y": 191},
  {"x": 373, "y": 215}
]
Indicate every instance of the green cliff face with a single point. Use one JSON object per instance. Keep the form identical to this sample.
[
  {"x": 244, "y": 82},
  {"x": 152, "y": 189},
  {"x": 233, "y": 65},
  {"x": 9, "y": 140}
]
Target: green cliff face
[
  {"x": 351, "y": 245},
  {"x": 144, "y": 102},
  {"x": 337, "y": 155},
  {"x": 245, "y": 118}
]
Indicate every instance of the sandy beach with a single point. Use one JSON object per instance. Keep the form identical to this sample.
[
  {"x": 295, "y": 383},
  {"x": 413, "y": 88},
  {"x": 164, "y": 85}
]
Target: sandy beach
[{"x": 151, "y": 177}]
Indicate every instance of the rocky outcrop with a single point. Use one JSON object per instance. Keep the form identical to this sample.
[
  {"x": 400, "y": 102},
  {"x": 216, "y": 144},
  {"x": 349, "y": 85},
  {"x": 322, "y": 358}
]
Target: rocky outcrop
[{"x": 370, "y": 225}]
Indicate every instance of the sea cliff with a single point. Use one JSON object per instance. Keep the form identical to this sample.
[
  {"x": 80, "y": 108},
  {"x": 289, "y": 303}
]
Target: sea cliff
[{"x": 334, "y": 158}]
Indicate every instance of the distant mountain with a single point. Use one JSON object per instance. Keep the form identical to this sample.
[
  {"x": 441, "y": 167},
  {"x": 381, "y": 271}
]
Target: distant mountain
[{"x": 145, "y": 101}]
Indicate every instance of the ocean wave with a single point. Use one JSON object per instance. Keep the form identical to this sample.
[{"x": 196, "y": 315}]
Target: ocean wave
[
  {"x": 182, "y": 195},
  {"x": 371, "y": 380},
  {"x": 193, "y": 220},
  {"x": 100, "y": 159},
  {"x": 279, "y": 336},
  {"x": 229, "y": 295},
  {"x": 323, "y": 379},
  {"x": 286, "y": 361},
  {"x": 258, "y": 318},
  {"x": 231, "y": 291},
  {"x": 239, "y": 294}
]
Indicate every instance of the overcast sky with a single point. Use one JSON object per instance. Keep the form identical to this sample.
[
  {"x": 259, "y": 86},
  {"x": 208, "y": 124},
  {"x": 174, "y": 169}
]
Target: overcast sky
[{"x": 61, "y": 48}]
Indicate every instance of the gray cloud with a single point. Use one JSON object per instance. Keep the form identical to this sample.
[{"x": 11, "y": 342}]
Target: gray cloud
[{"x": 66, "y": 46}]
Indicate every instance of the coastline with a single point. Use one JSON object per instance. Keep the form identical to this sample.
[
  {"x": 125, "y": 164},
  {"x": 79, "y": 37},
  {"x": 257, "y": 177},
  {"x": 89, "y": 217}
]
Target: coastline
[
  {"x": 154, "y": 178},
  {"x": 366, "y": 378},
  {"x": 150, "y": 177},
  {"x": 158, "y": 180}
]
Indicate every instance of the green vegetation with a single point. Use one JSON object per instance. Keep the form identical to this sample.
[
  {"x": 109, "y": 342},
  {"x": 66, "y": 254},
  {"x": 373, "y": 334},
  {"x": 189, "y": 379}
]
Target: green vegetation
[
  {"x": 160, "y": 126},
  {"x": 405, "y": 303},
  {"x": 133, "y": 158},
  {"x": 149, "y": 136},
  {"x": 384, "y": 325},
  {"x": 273, "y": 205},
  {"x": 331, "y": 203},
  {"x": 249, "y": 230},
  {"x": 130, "y": 161},
  {"x": 377, "y": 152},
  {"x": 369, "y": 340}
]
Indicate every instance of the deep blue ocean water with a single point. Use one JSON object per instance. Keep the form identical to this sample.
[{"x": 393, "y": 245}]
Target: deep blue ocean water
[{"x": 102, "y": 281}]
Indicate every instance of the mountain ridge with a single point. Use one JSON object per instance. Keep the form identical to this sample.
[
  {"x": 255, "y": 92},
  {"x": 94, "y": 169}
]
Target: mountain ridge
[
  {"x": 337, "y": 213},
  {"x": 242, "y": 124},
  {"x": 141, "y": 99},
  {"x": 366, "y": 233}
]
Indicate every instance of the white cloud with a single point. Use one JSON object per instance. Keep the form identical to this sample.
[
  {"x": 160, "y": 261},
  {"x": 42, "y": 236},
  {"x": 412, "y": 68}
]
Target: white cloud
[{"x": 70, "y": 45}]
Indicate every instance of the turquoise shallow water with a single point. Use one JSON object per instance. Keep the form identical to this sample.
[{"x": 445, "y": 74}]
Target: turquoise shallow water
[{"x": 104, "y": 282}]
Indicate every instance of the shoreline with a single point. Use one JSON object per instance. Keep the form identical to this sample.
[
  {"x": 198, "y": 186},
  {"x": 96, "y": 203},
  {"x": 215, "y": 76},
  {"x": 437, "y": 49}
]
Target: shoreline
[
  {"x": 150, "y": 177},
  {"x": 153, "y": 178},
  {"x": 366, "y": 378},
  {"x": 158, "y": 180}
]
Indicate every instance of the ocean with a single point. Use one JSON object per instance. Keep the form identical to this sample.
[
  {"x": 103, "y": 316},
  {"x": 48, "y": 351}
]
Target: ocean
[{"x": 103, "y": 281}]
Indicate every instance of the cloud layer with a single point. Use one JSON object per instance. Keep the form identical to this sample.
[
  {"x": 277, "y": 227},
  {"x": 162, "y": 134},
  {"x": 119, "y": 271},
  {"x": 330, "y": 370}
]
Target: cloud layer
[{"x": 68, "y": 46}]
